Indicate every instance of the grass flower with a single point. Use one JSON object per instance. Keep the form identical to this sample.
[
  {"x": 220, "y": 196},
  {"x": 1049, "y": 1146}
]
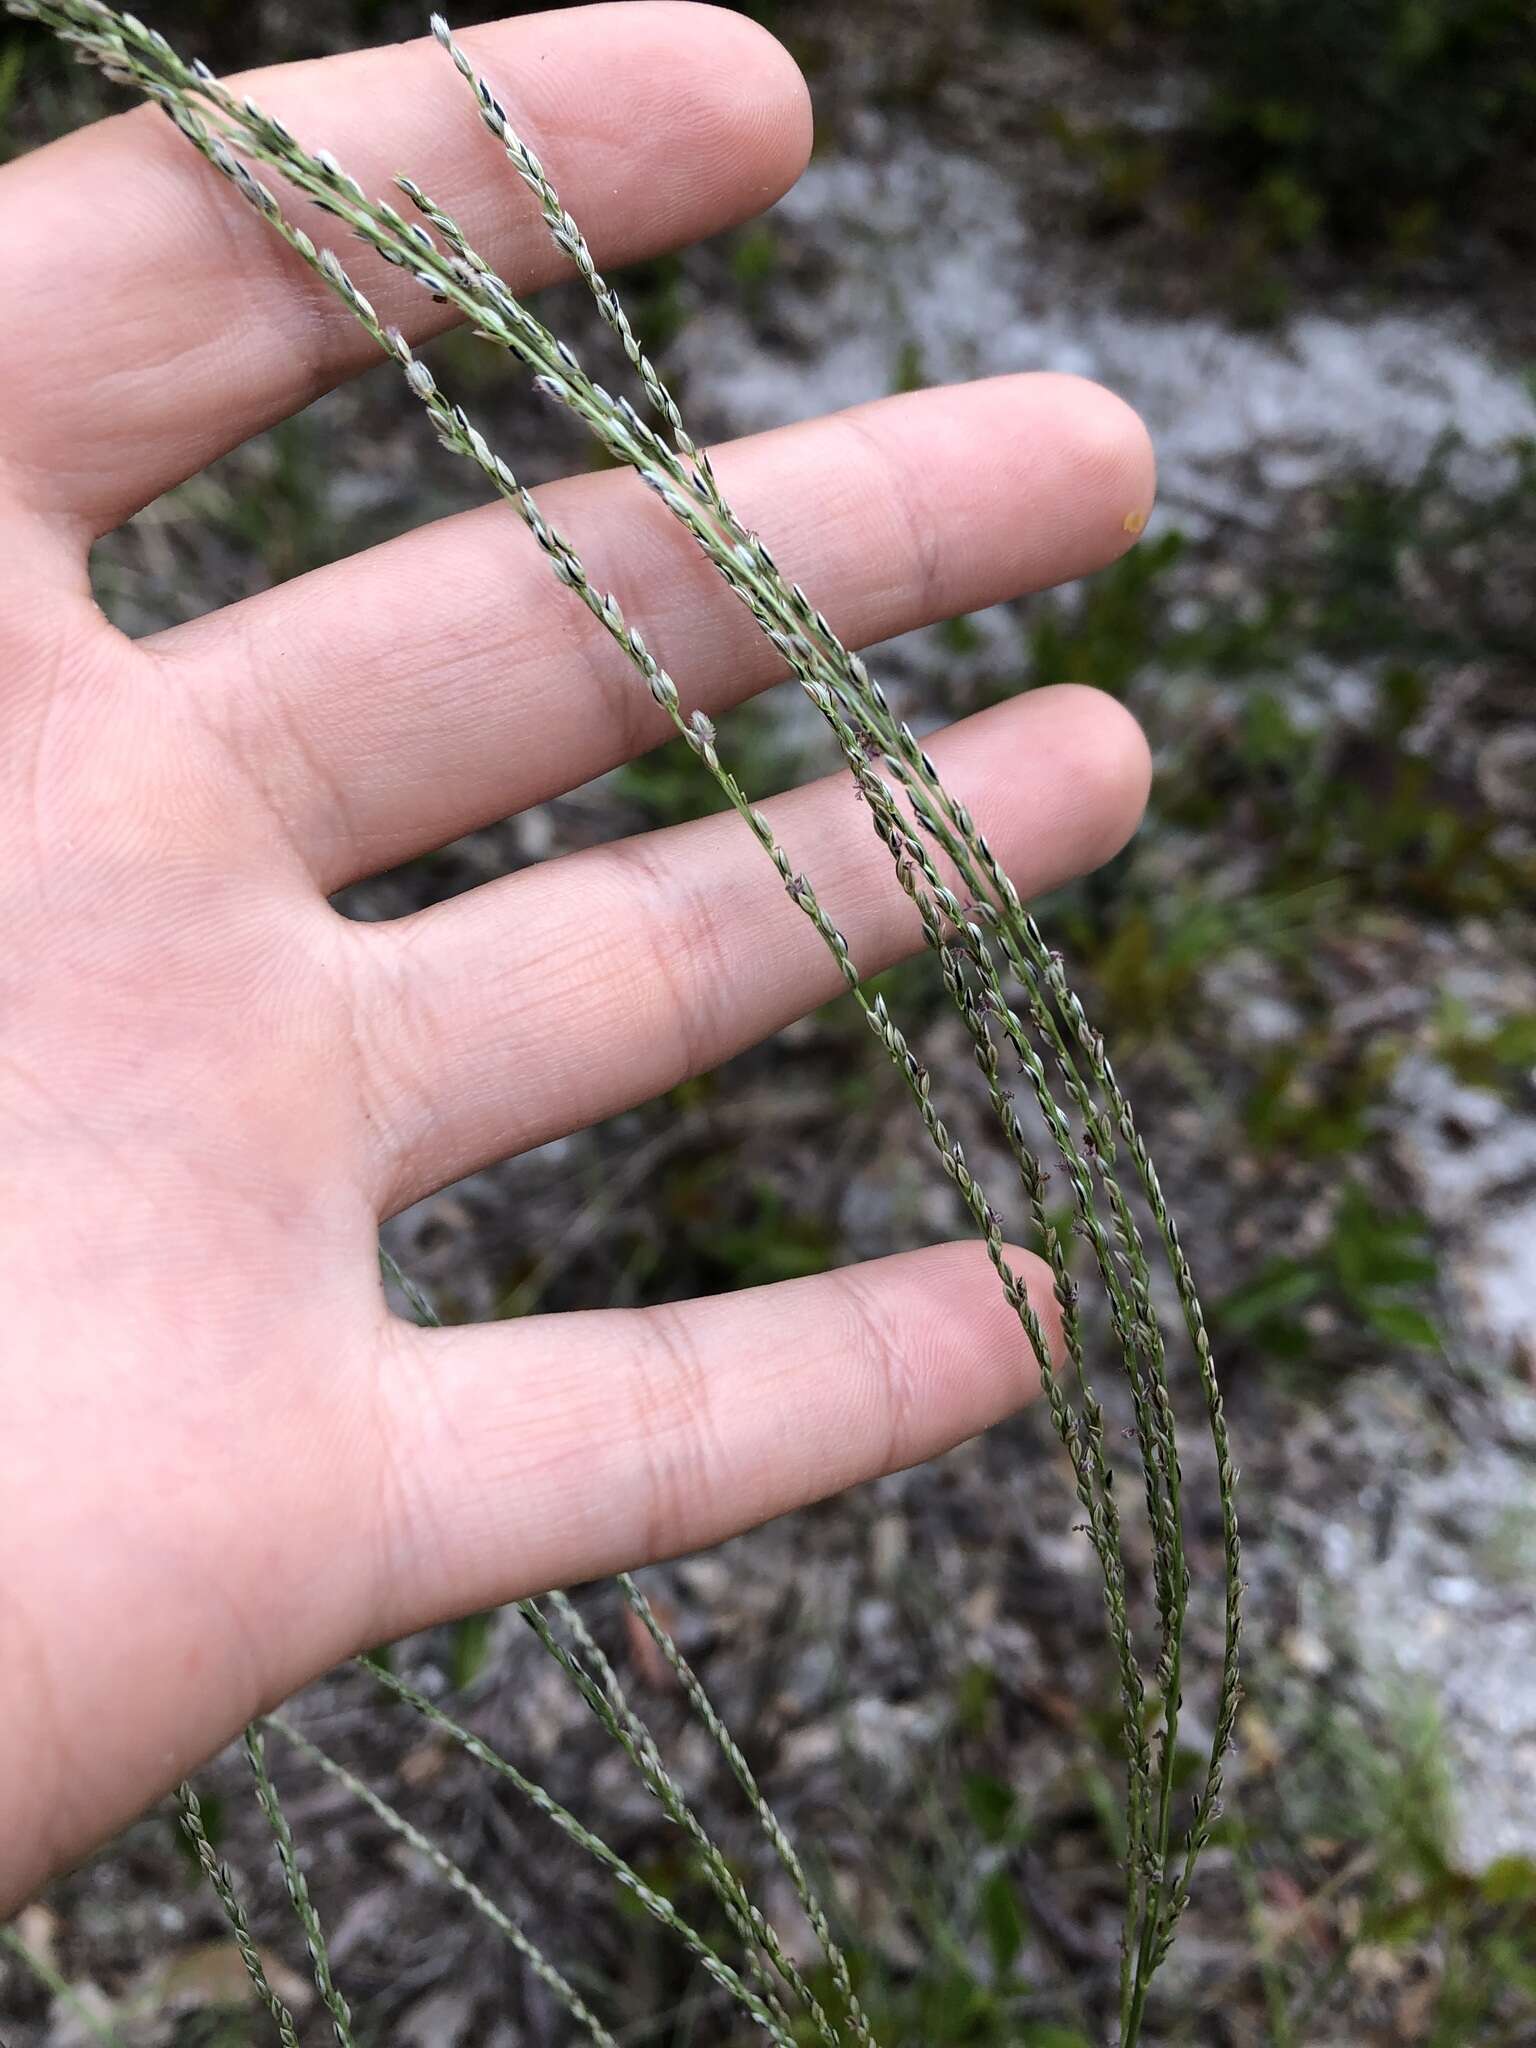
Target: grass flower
[{"x": 1026, "y": 1026}]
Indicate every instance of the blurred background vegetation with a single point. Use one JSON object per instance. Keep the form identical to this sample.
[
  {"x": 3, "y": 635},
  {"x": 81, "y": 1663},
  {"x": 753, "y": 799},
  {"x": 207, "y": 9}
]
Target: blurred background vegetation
[
  {"x": 1299, "y": 234},
  {"x": 1386, "y": 118}
]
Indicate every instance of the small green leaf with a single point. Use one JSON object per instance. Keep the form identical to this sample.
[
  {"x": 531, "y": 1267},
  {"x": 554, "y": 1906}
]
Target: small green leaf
[
  {"x": 990, "y": 1804},
  {"x": 1510, "y": 1881},
  {"x": 1405, "y": 1325},
  {"x": 13, "y": 60},
  {"x": 975, "y": 1691},
  {"x": 1001, "y": 1919},
  {"x": 471, "y": 1647},
  {"x": 1284, "y": 1285}
]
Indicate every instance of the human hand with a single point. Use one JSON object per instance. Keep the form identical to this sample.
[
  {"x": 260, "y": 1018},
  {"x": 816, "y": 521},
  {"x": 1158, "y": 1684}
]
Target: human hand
[{"x": 223, "y": 1464}]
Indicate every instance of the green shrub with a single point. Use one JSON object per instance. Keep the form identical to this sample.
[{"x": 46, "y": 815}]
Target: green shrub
[
  {"x": 1376, "y": 112},
  {"x": 1359, "y": 119}
]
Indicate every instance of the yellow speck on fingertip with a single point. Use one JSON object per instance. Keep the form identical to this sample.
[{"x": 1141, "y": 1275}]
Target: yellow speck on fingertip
[{"x": 1134, "y": 522}]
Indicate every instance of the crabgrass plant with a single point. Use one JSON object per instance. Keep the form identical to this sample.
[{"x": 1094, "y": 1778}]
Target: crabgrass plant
[{"x": 1026, "y": 1027}]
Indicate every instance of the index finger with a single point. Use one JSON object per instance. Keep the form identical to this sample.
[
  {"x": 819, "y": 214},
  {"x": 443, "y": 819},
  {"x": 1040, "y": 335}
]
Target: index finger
[{"x": 151, "y": 321}]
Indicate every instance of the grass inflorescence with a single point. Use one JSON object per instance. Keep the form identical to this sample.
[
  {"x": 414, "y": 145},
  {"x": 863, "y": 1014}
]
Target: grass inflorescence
[{"x": 1009, "y": 988}]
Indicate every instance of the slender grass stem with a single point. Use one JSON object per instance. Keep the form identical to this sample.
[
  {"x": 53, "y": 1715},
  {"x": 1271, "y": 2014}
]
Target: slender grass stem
[
  {"x": 222, "y": 1883},
  {"x": 458, "y": 1878},
  {"x": 624, "y": 1873},
  {"x": 61, "y": 1988},
  {"x": 298, "y": 1890}
]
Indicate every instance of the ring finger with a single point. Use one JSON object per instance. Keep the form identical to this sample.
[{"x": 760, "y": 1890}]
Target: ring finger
[{"x": 541, "y": 1003}]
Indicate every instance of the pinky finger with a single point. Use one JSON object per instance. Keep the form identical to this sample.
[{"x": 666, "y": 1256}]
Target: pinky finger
[{"x": 526, "y": 1455}]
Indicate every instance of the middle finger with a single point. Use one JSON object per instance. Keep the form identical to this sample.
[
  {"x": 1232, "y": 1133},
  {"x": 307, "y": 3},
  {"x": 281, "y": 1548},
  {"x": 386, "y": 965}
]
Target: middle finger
[
  {"x": 420, "y": 690},
  {"x": 544, "y": 1002}
]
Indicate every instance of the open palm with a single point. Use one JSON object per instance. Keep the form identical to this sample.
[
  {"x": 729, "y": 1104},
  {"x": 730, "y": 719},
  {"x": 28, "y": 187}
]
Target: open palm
[{"x": 223, "y": 1463}]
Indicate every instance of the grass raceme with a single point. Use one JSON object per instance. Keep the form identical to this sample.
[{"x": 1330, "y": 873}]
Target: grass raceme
[{"x": 1032, "y": 1042}]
